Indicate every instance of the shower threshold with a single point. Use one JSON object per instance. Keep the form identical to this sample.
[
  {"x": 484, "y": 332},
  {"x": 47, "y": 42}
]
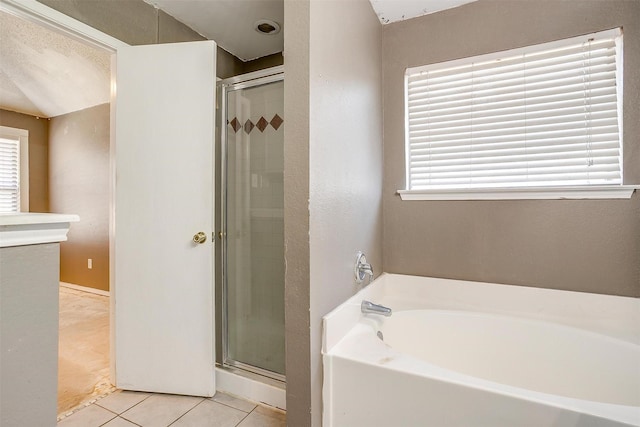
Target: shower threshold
[
  {"x": 251, "y": 386},
  {"x": 254, "y": 372}
]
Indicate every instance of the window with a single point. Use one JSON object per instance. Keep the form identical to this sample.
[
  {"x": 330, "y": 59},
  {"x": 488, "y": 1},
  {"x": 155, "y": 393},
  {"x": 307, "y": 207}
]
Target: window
[
  {"x": 14, "y": 175},
  {"x": 545, "y": 117}
]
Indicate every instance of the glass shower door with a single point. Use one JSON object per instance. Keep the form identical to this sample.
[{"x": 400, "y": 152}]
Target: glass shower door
[{"x": 253, "y": 256}]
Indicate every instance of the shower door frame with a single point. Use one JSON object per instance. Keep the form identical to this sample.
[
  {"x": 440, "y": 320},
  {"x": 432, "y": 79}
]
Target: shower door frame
[{"x": 244, "y": 81}]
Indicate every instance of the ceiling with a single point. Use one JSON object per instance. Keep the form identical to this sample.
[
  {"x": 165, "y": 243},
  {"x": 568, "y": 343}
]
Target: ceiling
[
  {"x": 45, "y": 74},
  {"x": 231, "y": 22},
  {"x": 389, "y": 11}
]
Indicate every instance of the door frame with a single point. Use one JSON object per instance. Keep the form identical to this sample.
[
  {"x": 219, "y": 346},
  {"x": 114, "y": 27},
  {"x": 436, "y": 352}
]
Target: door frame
[
  {"x": 243, "y": 81},
  {"x": 51, "y": 19}
]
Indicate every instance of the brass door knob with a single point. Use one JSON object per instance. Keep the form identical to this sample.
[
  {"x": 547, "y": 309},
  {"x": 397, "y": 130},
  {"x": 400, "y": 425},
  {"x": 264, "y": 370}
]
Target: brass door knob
[{"x": 199, "y": 237}]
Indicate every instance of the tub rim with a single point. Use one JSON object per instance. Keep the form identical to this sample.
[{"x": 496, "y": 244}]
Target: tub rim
[{"x": 617, "y": 315}]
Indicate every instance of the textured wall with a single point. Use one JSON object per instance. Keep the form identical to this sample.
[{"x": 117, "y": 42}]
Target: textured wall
[
  {"x": 582, "y": 245},
  {"x": 79, "y": 183},
  {"x": 333, "y": 176},
  {"x": 296, "y": 212},
  {"x": 38, "y": 156},
  {"x": 28, "y": 335},
  {"x": 345, "y": 160}
]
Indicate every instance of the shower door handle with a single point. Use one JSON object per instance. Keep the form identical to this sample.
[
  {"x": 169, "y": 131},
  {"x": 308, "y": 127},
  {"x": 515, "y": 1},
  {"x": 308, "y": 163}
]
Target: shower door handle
[{"x": 199, "y": 238}]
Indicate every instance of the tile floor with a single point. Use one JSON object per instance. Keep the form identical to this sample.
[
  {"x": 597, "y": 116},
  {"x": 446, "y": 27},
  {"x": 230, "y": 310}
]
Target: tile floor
[{"x": 130, "y": 409}]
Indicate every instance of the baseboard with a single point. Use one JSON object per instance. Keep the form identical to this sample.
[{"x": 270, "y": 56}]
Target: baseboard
[{"x": 85, "y": 289}]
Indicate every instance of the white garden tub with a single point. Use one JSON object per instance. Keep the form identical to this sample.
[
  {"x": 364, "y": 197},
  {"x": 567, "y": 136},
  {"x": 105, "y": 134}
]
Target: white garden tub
[{"x": 469, "y": 354}]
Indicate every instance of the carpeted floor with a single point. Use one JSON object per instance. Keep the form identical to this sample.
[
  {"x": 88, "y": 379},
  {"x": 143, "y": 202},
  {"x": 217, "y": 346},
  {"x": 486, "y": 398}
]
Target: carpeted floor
[{"x": 83, "y": 361}]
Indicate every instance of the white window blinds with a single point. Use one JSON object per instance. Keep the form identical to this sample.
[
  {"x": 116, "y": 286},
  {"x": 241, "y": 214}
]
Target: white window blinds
[
  {"x": 9, "y": 175},
  {"x": 545, "y": 115}
]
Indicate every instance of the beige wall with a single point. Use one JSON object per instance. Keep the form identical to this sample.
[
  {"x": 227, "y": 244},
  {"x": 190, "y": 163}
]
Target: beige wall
[
  {"x": 333, "y": 176},
  {"x": 38, "y": 156},
  {"x": 28, "y": 335},
  {"x": 79, "y": 184},
  {"x": 580, "y": 245},
  {"x": 296, "y": 212},
  {"x": 262, "y": 63}
]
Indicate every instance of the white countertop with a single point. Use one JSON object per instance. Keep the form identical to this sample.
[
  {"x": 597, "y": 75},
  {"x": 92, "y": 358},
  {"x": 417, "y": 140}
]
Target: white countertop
[
  {"x": 28, "y": 228},
  {"x": 35, "y": 218}
]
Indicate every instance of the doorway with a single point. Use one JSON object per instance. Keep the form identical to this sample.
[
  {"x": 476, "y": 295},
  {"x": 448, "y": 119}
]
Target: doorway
[
  {"x": 154, "y": 355},
  {"x": 59, "y": 92}
]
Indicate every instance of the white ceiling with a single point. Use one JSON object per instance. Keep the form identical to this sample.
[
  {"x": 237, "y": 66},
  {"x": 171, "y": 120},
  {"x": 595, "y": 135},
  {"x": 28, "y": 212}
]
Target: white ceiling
[
  {"x": 231, "y": 23},
  {"x": 45, "y": 74},
  {"x": 389, "y": 11}
]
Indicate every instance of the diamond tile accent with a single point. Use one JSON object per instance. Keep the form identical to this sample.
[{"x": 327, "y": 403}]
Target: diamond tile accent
[
  {"x": 262, "y": 124},
  {"x": 235, "y": 124},
  {"x": 276, "y": 122},
  {"x": 248, "y": 126}
]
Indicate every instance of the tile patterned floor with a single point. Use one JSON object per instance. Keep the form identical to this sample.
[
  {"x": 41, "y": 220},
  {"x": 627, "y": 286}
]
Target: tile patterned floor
[{"x": 130, "y": 409}]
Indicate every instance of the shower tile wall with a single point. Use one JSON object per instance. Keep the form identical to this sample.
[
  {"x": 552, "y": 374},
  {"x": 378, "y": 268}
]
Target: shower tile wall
[{"x": 255, "y": 226}]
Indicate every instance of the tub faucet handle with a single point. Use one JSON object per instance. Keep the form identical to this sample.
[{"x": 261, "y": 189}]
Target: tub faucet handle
[{"x": 362, "y": 268}]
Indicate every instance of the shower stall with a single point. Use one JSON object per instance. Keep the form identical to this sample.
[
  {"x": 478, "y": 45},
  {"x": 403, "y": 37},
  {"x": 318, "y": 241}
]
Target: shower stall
[{"x": 252, "y": 200}]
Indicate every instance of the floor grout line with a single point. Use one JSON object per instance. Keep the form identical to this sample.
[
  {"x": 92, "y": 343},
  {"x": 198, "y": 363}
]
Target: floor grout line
[
  {"x": 85, "y": 405},
  {"x": 131, "y": 407},
  {"x": 109, "y": 420},
  {"x": 244, "y": 418},
  {"x": 233, "y": 407},
  {"x": 121, "y": 415},
  {"x": 129, "y": 421},
  {"x": 176, "y": 420}
]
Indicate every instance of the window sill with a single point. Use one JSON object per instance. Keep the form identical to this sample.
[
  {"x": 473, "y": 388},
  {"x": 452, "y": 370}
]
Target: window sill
[{"x": 533, "y": 193}]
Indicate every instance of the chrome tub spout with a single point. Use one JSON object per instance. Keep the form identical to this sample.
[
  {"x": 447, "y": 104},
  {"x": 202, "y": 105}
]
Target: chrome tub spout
[{"x": 369, "y": 307}]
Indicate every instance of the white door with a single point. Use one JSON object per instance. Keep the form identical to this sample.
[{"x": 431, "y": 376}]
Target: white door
[{"x": 164, "y": 148}]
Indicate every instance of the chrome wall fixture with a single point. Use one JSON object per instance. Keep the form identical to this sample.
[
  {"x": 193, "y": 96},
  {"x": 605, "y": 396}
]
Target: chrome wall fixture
[{"x": 362, "y": 269}]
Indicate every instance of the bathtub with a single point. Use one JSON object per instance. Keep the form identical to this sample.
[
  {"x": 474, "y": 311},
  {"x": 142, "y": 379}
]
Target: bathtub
[{"x": 458, "y": 353}]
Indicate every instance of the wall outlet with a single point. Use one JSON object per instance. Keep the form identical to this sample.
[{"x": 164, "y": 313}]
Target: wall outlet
[{"x": 89, "y": 263}]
